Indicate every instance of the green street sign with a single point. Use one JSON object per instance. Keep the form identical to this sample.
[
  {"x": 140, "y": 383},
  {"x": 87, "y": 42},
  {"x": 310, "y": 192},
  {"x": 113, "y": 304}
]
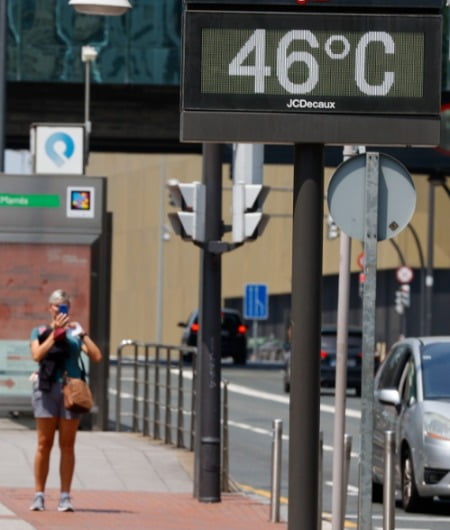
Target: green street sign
[{"x": 14, "y": 200}]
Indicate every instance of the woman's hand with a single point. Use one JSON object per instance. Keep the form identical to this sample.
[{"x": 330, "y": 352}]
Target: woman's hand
[{"x": 60, "y": 321}]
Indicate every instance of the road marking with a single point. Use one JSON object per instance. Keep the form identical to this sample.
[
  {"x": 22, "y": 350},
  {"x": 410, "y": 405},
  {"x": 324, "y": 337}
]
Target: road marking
[{"x": 268, "y": 396}]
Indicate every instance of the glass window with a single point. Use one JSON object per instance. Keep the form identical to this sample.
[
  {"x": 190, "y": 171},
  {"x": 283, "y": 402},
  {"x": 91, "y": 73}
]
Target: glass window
[
  {"x": 393, "y": 367},
  {"x": 436, "y": 370},
  {"x": 142, "y": 47}
]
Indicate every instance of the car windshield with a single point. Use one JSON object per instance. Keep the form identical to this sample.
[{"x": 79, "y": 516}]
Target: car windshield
[
  {"x": 328, "y": 341},
  {"x": 436, "y": 370}
]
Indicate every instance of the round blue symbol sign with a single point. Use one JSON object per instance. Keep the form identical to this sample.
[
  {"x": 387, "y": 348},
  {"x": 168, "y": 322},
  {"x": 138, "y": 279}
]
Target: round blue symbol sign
[{"x": 59, "y": 148}]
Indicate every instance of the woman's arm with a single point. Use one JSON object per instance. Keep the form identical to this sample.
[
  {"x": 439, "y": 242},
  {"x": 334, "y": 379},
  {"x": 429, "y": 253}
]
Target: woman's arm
[
  {"x": 39, "y": 351},
  {"x": 91, "y": 349}
]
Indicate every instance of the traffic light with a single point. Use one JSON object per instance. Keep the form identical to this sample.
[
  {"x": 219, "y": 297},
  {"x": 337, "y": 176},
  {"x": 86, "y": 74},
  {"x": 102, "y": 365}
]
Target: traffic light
[
  {"x": 332, "y": 228},
  {"x": 399, "y": 302},
  {"x": 405, "y": 289},
  {"x": 248, "y": 220},
  {"x": 189, "y": 223}
]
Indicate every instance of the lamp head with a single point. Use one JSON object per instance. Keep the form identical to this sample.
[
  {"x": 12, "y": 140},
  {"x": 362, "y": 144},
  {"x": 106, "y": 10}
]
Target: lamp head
[
  {"x": 88, "y": 54},
  {"x": 100, "y": 7}
]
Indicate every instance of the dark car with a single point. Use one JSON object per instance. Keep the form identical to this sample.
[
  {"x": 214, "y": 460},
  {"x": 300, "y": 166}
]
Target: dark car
[
  {"x": 233, "y": 335},
  {"x": 328, "y": 359}
]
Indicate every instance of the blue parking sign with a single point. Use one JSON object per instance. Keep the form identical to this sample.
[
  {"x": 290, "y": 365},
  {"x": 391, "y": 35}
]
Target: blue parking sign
[{"x": 256, "y": 302}]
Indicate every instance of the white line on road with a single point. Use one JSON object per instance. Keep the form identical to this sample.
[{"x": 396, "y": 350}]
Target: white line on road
[{"x": 268, "y": 396}]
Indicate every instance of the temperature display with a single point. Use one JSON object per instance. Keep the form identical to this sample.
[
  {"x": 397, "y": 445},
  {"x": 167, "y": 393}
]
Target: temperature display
[
  {"x": 314, "y": 63},
  {"x": 309, "y": 62}
]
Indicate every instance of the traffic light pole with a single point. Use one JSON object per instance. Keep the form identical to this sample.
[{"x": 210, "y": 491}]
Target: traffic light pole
[
  {"x": 207, "y": 421},
  {"x": 306, "y": 322}
]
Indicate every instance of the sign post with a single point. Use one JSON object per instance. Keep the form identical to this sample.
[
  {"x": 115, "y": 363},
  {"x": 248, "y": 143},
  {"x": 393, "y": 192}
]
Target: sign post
[
  {"x": 256, "y": 307},
  {"x": 308, "y": 75}
]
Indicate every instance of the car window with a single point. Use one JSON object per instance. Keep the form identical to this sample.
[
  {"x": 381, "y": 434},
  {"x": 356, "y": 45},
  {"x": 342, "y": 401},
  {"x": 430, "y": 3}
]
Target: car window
[
  {"x": 436, "y": 370},
  {"x": 230, "y": 321},
  {"x": 408, "y": 391},
  {"x": 393, "y": 367}
]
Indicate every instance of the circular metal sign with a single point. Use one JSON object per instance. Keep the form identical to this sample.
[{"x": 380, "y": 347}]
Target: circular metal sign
[
  {"x": 396, "y": 197},
  {"x": 404, "y": 274}
]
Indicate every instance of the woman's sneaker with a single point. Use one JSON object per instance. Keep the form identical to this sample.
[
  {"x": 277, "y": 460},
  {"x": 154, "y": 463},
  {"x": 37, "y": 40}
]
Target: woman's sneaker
[
  {"x": 38, "y": 503},
  {"x": 65, "y": 505}
]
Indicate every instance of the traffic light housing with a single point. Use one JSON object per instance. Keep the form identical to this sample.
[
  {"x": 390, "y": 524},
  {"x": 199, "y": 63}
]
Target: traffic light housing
[
  {"x": 248, "y": 219},
  {"x": 399, "y": 308},
  {"x": 405, "y": 289},
  {"x": 332, "y": 228},
  {"x": 189, "y": 223}
]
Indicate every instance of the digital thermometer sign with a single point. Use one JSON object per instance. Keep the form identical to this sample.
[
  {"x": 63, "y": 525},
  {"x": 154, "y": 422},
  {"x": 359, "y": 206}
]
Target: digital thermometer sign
[{"x": 308, "y": 64}]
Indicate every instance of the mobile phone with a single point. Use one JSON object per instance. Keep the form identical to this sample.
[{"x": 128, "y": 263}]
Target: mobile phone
[{"x": 64, "y": 309}]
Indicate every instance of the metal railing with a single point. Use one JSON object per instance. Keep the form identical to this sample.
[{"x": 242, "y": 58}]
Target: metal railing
[{"x": 156, "y": 392}]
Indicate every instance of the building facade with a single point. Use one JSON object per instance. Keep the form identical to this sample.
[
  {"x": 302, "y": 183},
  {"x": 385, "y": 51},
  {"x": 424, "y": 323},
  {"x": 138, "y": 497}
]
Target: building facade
[{"x": 135, "y": 144}]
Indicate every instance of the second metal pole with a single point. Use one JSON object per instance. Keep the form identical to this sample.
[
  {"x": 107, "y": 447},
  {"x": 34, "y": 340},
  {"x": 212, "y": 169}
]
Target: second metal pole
[
  {"x": 277, "y": 431},
  {"x": 207, "y": 430},
  {"x": 389, "y": 481},
  {"x": 304, "y": 422}
]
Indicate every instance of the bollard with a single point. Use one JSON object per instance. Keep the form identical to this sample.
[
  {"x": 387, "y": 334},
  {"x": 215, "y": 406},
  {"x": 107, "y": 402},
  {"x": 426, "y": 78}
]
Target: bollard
[
  {"x": 347, "y": 456},
  {"x": 320, "y": 482},
  {"x": 277, "y": 427},
  {"x": 389, "y": 481}
]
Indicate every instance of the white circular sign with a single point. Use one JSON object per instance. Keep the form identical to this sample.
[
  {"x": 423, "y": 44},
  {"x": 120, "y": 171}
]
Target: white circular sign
[
  {"x": 404, "y": 274},
  {"x": 396, "y": 197}
]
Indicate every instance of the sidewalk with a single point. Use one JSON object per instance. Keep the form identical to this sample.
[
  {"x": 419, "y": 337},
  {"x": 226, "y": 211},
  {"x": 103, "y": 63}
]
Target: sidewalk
[{"x": 122, "y": 481}]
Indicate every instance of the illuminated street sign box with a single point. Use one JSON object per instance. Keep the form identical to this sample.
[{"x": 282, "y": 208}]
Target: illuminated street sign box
[{"x": 311, "y": 77}]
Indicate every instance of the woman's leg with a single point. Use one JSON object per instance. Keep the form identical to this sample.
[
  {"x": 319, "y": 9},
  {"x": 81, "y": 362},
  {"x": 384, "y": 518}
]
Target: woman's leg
[
  {"x": 67, "y": 434},
  {"x": 45, "y": 432}
]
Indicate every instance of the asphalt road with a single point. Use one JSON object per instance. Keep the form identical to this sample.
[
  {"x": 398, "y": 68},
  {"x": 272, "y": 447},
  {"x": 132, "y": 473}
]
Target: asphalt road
[{"x": 256, "y": 399}]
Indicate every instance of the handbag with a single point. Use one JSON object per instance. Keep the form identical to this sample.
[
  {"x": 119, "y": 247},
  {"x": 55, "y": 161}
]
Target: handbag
[{"x": 77, "y": 394}]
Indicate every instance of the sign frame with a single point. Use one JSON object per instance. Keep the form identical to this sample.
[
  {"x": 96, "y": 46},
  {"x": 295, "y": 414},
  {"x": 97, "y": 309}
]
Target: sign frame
[
  {"x": 256, "y": 301},
  {"x": 233, "y": 118}
]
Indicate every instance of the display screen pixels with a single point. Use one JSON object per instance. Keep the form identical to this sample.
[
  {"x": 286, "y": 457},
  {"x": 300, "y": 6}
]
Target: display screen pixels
[{"x": 312, "y": 63}]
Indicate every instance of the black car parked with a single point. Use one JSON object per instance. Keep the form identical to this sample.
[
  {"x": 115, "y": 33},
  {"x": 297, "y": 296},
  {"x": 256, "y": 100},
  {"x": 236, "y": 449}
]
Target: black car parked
[
  {"x": 327, "y": 354},
  {"x": 233, "y": 335}
]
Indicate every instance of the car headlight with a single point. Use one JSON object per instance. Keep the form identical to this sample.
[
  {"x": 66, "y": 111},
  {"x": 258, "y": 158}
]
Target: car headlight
[{"x": 436, "y": 426}]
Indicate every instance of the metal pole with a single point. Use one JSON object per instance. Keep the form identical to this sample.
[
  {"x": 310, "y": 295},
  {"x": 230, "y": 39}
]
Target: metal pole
[
  {"x": 320, "y": 491},
  {"x": 422, "y": 279},
  {"x": 429, "y": 279},
  {"x": 207, "y": 454},
  {"x": 368, "y": 319},
  {"x": 3, "y": 46},
  {"x": 255, "y": 339},
  {"x": 225, "y": 439},
  {"x": 389, "y": 482},
  {"x": 307, "y": 236},
  {"x": 87, "y": 104},
  {"x": 277, "y": 430},
  {"x": 161, "y": 240},
  {"x": 337, "y": 517},
  {"x": 118, "y": 387}
]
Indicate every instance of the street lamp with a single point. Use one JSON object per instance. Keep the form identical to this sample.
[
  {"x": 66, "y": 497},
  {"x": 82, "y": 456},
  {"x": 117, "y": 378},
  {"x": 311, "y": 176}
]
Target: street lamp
[
  {"x": 100, "y": 7},
  {"x": 88, "y": 55}
]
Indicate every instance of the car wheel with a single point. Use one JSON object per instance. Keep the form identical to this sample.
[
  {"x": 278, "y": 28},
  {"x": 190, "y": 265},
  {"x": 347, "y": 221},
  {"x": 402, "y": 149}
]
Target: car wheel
[
  {"x": 358, "y": 391},
  {"x": 411, "y": 500},
  {"x": 287, "y": 387}
]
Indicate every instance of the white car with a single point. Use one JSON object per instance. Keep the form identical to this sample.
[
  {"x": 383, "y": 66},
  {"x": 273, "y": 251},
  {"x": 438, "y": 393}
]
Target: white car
[{"x": 412, "y": 399}]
